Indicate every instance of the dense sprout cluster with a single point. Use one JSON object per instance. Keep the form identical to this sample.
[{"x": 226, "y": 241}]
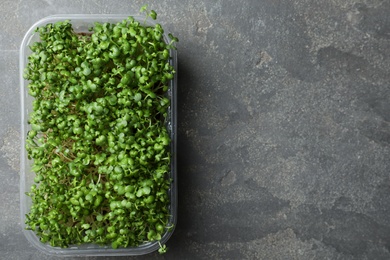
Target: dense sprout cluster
[{"x": 98, "y": 141}]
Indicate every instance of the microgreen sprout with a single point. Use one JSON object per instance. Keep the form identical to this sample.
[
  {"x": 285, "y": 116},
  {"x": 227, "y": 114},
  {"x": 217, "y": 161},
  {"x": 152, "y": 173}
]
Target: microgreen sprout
[
  {"x": 152, "y": 14},
  {"x": 99, "y": 144}
]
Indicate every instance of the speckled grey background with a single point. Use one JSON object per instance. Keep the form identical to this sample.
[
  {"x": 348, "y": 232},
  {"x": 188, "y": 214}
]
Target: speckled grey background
[{"x": 284, "y": 126}]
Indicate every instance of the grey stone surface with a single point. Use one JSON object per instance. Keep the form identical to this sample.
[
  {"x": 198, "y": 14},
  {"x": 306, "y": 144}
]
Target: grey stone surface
[{"x": 284, "y": 126}]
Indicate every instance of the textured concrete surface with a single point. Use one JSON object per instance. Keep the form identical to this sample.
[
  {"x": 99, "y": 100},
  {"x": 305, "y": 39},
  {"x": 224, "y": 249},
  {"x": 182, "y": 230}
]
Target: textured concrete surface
[{"x": 284, "y": 126}]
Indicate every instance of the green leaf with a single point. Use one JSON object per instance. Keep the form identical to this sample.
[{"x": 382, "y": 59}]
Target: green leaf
[
  {"x": 99, "y": 218},
  {"x": 153, "y": 15},
  {"x": 143, "y": 8}
]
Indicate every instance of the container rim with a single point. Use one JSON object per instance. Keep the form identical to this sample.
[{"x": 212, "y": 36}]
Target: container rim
[{"x": 94, "y": 251}]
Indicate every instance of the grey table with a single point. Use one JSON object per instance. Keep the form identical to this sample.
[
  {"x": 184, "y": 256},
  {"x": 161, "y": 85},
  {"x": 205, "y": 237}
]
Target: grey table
[{"x": 284, "y": 126}]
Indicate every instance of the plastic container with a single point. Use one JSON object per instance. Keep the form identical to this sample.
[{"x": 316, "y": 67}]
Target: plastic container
[{"x": 80, "y": 24}]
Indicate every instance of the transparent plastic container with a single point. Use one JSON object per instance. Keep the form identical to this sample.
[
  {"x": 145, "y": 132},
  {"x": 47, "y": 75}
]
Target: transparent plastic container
[{"x": 81, "y": 24}]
